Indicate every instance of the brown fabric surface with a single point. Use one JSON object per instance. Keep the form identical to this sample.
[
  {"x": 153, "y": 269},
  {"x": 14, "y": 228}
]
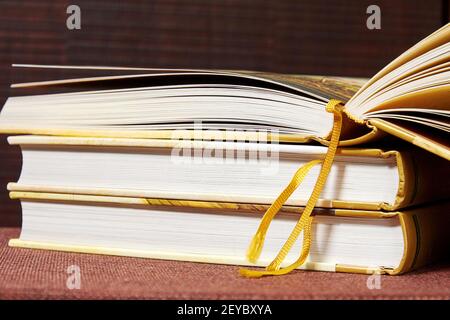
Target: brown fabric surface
[{"x": 38, "y": 274}]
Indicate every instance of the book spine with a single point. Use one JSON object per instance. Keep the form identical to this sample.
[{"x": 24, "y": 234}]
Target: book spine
[
  {"x": 418, "y": 172},
  {"x": 427, "y": 239},
  {"x": 426, "y": 144}
]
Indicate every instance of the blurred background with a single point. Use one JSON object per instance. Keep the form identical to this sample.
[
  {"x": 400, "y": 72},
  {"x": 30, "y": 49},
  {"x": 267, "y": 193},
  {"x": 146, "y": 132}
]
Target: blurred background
[{"x": 303, "y": 36}]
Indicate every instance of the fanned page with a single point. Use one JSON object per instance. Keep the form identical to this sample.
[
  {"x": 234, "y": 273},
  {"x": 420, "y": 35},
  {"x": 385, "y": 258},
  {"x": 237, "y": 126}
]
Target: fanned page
[
  {"x": 410, "y": 98},
  {"x": 153, "y": 103},
  {"x": 321, "y": 87}
]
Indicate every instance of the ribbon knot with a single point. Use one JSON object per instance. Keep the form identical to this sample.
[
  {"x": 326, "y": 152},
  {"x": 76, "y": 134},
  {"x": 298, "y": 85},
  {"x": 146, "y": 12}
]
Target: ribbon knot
[{"x": 334, "y": 106}]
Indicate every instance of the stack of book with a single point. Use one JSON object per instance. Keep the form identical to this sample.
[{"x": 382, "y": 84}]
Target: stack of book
[{"x": 186, "y": 164}]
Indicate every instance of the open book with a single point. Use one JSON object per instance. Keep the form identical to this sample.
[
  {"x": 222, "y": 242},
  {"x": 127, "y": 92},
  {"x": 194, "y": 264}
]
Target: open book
[{"x": 409, "y": 98}]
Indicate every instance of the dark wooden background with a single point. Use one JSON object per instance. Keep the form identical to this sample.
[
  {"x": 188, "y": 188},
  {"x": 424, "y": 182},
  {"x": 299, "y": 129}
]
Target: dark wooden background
[{"x": 310, "y": 36}]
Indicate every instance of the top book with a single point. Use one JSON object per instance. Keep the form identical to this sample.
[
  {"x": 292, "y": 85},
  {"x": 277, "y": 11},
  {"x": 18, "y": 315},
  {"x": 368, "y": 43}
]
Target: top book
[{"x": 409, "y": 98}]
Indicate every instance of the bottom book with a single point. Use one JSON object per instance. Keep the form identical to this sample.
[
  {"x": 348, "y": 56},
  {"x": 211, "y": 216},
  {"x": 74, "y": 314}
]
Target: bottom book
[{"x": 217, "y": 232}]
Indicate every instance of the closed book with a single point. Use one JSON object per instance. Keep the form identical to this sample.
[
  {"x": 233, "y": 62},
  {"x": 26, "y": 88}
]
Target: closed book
[
  {"x": 216, "y": 232},
  {"x": 370, "y": 179}
]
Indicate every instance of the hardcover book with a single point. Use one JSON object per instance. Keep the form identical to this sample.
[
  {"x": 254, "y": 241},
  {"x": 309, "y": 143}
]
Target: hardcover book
[
  {"x": 370, "y": 179},
  {"x": 344, "y": 240}
]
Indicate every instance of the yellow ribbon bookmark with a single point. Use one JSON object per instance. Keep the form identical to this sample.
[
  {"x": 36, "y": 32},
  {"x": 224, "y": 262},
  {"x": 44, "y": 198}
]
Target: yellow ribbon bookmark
[{"x": 305, "y": 222}]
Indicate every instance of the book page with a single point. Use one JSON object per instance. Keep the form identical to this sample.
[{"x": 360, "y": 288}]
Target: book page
[
  {"x": 436, "y": 39},
  {"x": 320, "y": 87},
  {"x": 327, "y": 87}
]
